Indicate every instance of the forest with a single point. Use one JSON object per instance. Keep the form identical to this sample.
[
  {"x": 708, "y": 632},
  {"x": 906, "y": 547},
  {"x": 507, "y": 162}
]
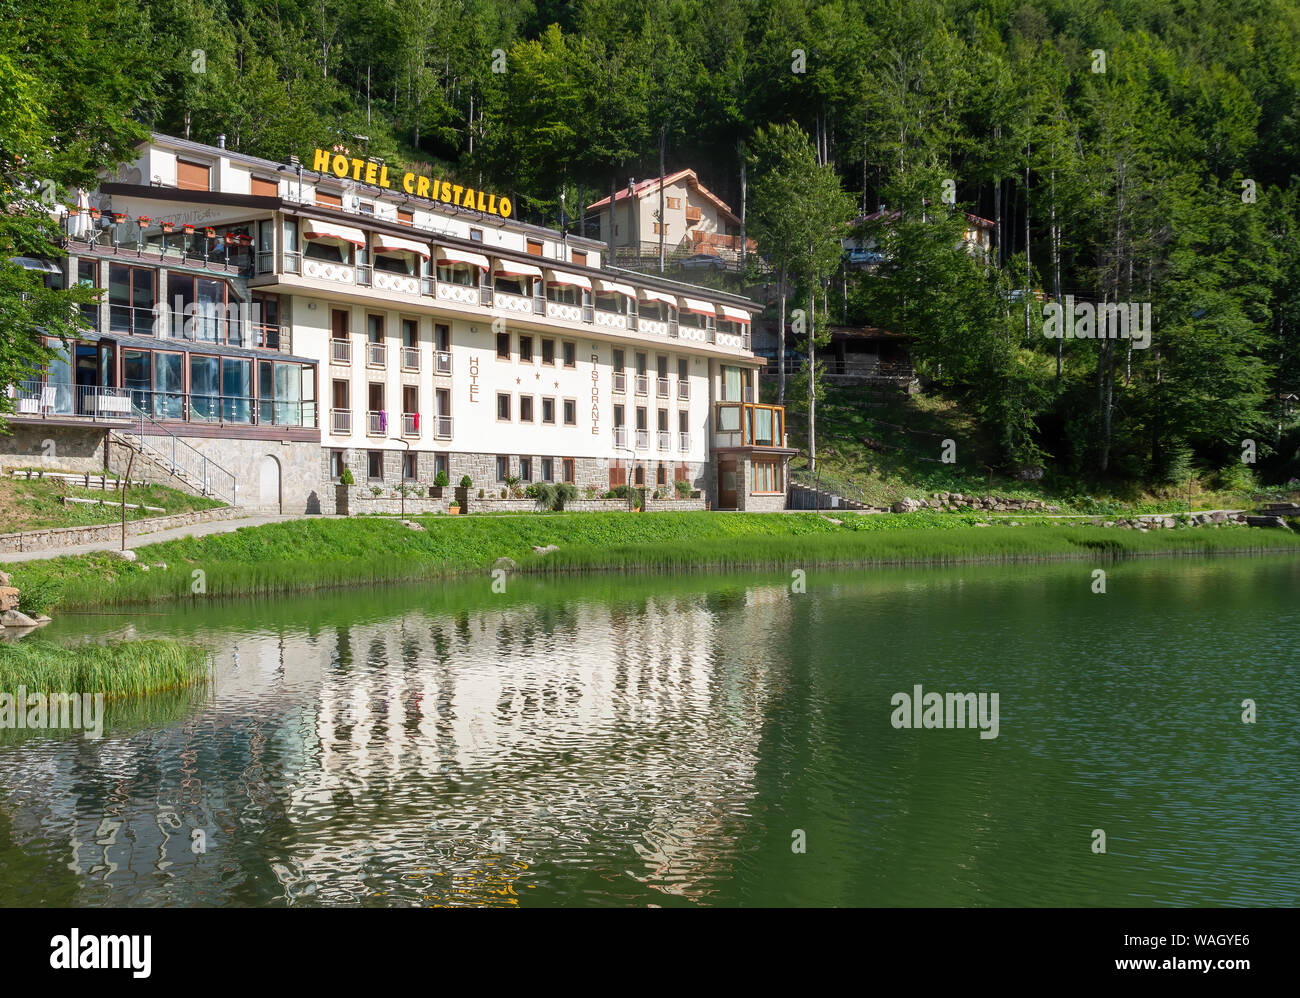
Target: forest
[{"x": 1140, "y": 152}]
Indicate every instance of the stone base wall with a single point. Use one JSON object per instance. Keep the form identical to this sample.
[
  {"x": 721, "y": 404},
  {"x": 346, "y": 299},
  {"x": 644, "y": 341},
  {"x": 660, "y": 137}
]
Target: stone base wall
[
  {"x": 57, "y": 537},
  {"x": 60, "y": 448}
]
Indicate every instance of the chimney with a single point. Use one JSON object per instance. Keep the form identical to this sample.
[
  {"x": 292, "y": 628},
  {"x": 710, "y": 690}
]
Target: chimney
[{"x": 221, "y": 141}]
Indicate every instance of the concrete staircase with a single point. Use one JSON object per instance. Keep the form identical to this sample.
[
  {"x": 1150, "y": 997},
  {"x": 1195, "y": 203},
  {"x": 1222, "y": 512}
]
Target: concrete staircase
[
  {"x": 182, "y": 463},
  {"x": 803, "y": 496}
]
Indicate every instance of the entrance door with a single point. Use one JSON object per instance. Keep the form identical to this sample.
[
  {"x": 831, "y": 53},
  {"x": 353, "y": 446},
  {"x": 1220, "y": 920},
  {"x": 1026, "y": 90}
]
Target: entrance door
[
  {"x": 270, "y": 484},
  {"x": 727, "y": 483}
]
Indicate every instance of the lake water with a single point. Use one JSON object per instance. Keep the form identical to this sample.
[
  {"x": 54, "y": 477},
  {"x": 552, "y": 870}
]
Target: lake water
[{"x": 669, "y": 741}]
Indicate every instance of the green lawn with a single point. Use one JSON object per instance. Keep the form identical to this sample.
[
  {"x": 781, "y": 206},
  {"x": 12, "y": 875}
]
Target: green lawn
[{"x": 34, "y": 504}]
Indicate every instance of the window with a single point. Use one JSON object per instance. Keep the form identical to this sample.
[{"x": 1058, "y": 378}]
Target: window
[
  {"x": 440, "y": 465},
  {"x": 766, "y": 477},
  {"x": 441, "y": 336},
  {"x": 526, "y": 469},
  {"x": 405, "y": 217},
  {"x": 570, "y": 471},
  {"x": 503, "y": 346},
  {"x": 525, "y": 408},
  {"x": 263, "y": 188},
  {"x": 661, "y": 474},
  {"x": 336, "y": 464},
  {"x": 663, "y": 420},
  {"x": 339, "y": 324},
  {"x": 619, "y": 417},
  {"x": 683, "y": 369},
  {"x": 658, "y": 228},
  {"x": 579, "y": 257},
  {"x": 410, "y": 332},
  {"x": 503, "y": 468},
  {"x": 525, "y": 348},
  {"x": 620, "y": 361},
  {"x": 548, "y": 351},
  {"x": 503, "y": 406},
  {"x": 476, "y": 235},
  {"x": 638, "y": 477},
  {"x": 409, "y": 464},
  {"x": 570, "y": 354},
  {"x": 193, "y": 176},
  {"x": 548, "y": 411},
  {"x": 548, "y": 469},
  {"x": 329, "y": 200},
  {"x": 205, "y": 387},
  {"x": 375, "y": 328},
  {"x": 570, "y": 412},
  {"x": 533, "y": 247},
  {"x": 375, "y": 465},
  {"x": 131, "y": 293},
  {"x": 731, "y": 384},
  {"x": 366, "y": 207}
]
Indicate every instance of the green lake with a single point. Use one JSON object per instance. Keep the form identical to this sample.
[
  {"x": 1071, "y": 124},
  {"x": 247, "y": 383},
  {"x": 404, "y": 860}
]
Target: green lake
[{"x": 633, "y": 741}]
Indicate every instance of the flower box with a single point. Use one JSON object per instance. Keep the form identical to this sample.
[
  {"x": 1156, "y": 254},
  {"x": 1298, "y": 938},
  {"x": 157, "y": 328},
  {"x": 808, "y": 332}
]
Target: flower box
[
  {"x": 188, "y": 229},
  {"x": 119, "y": 217},
  {"x": 168, "y": 227}
]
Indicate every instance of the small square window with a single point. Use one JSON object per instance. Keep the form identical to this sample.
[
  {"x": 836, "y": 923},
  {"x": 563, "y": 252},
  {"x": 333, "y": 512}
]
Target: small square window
[
  {"x": 570, "y": 412},
  {"x": 503, "y": 406},
  {"x": 476, "y": 235}
]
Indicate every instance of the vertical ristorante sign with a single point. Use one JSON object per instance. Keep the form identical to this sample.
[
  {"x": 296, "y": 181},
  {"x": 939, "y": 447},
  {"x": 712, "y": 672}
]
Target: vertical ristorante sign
[{"x": 595, "y": 394}]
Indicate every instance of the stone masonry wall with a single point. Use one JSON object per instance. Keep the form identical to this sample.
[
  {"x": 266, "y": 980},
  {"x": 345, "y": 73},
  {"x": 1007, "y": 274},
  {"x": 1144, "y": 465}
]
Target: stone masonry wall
[{"x": 56, "y": 537}]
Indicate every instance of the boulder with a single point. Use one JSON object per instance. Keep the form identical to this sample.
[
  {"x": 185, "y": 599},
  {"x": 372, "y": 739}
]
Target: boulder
[
  {"x": 508, "y": 564},
  {"x": 1219, "y": 516},
  {"x": 8, "y": 598},
  {"x": 127, "y": 555},
  {"x": 15, "y": 618},
  {"x": 551, "y": 547},
  {"x": 4, "y": 578}
]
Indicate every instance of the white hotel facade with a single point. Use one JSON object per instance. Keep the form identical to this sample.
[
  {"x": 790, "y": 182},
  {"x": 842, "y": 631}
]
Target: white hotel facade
[{"x": 278, "y": 325}]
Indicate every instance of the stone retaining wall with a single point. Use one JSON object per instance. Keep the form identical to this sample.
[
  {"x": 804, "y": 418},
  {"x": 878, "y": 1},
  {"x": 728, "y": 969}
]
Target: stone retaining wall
[{"x": 57, "y": 537}]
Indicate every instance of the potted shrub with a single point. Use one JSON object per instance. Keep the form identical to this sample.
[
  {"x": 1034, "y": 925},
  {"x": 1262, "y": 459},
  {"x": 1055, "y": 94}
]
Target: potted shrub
[
  {"x": 683, "y": 488},
  {"x": 168, "y": 228},
  {"x": 346, "y": 478},
  {"x": 454, "y": 508},
  {"x": 440, "y": 482},
  {"x": 462, "y": 494}
]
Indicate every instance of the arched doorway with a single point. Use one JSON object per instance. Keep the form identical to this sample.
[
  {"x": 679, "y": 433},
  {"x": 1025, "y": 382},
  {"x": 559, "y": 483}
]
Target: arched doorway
[{"x": 269, "y": 474}]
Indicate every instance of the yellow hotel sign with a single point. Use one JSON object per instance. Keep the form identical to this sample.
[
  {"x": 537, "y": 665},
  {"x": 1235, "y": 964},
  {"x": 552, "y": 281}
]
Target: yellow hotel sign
[{"x": 414, "y": 184}]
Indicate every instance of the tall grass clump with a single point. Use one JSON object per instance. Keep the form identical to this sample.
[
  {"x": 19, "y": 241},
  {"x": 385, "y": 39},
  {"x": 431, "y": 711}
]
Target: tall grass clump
[{"x": 116, "y": 669}]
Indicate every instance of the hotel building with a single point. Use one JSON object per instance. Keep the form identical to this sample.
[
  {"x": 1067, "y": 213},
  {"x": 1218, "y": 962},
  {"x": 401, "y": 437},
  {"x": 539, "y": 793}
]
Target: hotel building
[{"x": 265, "y": 326}]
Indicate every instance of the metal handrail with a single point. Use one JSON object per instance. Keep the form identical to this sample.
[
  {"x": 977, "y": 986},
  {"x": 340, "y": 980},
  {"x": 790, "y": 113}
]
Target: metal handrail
[{"x": 175, "y": 454}]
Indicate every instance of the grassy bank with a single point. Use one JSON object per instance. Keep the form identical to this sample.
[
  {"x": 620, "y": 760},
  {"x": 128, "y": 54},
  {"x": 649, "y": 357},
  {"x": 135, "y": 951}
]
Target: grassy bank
[
  {"x": 308, "y": 554},
  {"x": 35, "y": 504},
  {"x": 116, "y": 669}
]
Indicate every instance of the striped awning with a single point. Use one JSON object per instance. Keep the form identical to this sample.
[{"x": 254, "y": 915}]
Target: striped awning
[
  {"x": 572, "y": 280},
  {"x": 626, "y": 290},
  {"x": 735, "y": 314},
  {"x": 698, "y": 307},
  {"x": 647, "y": 295},
  {"x": 446, "y": 255},
  {"x": 332, "y": 231},
  {"x": 511, "y": 269},
  {"x": 396, "y": 244}
]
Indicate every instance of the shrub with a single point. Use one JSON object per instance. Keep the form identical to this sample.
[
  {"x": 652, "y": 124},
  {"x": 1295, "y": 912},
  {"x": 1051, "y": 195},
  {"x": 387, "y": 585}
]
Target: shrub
[
  {"x": 683, "y": 488},
  {"x": 480, "y": 491},
  {"x": 39, "y": 596},
  {"x": 441, "y": 481},
  {"x": 376, "y": 491},
  {"x": 534, "y": 491},
  {"x": 543, "y": 492},
  {"x": 346, "y": 478},
  {"x": 592, "y": 492},
  {"x": 618, "y": 492},
  {"x": 565, "y": 493},
  {"x": 466, "y": 483}
]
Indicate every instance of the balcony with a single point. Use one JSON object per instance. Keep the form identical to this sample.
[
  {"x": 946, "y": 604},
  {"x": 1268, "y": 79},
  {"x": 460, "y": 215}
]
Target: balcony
[
  {"x": 665, "y": 440},
  {"x": 376, "y": 423},
  {"x": 661, "y": 388},
  {"x": 96, "y": 403},
  {"x": 642, "y": 439},
  {"x": 642, "y": 386},
  {"x": 620, "y": 381},
  {"x": 749, "y": 425},
  {"x": 610, "y": 320},
  {"x": 376, "y": 354},
  {"x": 442, "y": 362},
  {"x": 683, "y": 441},
  {"x": 42, "y": 400},
  {"x": 512, "y": 303},
  {"x": 692, "y": 215},
  {"x": 340, "y": 351},
  {"x": 563, "y": 310},
  {"x": 442, "y": 427},
  {"x": 620, "y": 437},
  {"x": 683, "y": 389},
  {"x": 410, "y": 358},
  {"x": 387, "y": 280},
  {"x": 410, "y": 424},
  {"x": 341, "y": 422}
]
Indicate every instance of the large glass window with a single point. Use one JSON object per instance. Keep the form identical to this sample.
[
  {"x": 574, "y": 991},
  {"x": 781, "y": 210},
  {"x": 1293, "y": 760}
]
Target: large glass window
[
  {"x": 132, "y": 292},
  {"x": 288, "y": 394},
  {"x": 168, "y": 386},
  {"x": 731, "y": 384},
  {"x": 136, "y": 376},
  {"x": 205, "y": 388},
  {"x": 236, "y": 390},
  {"x": 460, "y": 273}
]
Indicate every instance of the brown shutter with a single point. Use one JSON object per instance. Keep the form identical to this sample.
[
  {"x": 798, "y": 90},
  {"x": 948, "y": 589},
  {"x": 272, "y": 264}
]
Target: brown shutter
[
  {"x": 329, "y": 200},
  {"x": 405, "y": 217},
  {"x": 534, "y": 247},
  {"x": 193, "y": 176},
  {"x": 580, "y": 258},
  {"x": 264, "y": 188}
]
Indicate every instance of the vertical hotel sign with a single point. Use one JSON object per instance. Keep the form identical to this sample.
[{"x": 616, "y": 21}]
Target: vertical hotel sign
[{"x": 417, "y": 185}]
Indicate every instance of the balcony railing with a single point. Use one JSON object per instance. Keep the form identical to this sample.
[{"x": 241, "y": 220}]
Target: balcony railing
[
  {"x": 620, "y": 437},
  {"x": 442, "y": 427},
  {"x": 642, "y": 439},
  {"x": 410, "y": 424},
  {"x": 641, "y": 384},
  {"x": 376, "y": 354},
  {"x": 661, "y": 387},
  {"x": 620, "y": 381},
  {"x": 665, "y": 440},
  {"x": 340, "y": 351},
  {"x": 683, "y": 440},
  {"x": 376, "y": 423},
  {"x": 341, "y": 421},
  {"x": 442, "y": 362},
  {"x": 53, "y": 400},
  {"x": 410, "y": 358},
  {"x": 683, "y": 389}
]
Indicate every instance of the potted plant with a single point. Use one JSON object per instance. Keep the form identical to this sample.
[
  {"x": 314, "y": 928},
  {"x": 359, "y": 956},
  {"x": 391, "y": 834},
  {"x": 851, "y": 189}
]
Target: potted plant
[
  {"x": 440, "y": 482},
  {"x": 454, "y": 508},
  {"x": 187, "y": 229},
  {"x": 346, "y": 478},
  {"x": 144, "y": 221},
  {"x": 683, "y": 488},
  {"x": 376, "y": 490},
  {"x": 168, "y": 228},
  {"x": 462, "y": 494}
]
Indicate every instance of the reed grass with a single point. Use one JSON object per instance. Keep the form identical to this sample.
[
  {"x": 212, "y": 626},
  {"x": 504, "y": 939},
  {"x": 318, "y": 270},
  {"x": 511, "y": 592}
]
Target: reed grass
[
  {"x": 324, "y": 553},
  {"x": 116, "y": 669}
]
